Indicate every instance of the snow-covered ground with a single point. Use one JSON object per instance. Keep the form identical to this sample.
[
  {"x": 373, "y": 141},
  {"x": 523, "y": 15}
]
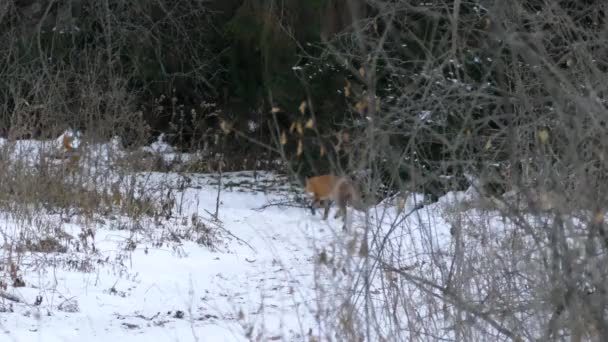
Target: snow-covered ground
[
  {"x": 137, "y": 290},
  {"x": 156, "y": 279}
]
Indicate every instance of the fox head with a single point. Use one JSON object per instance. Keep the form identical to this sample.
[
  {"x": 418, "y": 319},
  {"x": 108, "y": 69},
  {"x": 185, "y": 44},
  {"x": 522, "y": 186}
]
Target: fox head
[
  {"x": 67, "y": 142},
  {"x": 71, "y": 140}
]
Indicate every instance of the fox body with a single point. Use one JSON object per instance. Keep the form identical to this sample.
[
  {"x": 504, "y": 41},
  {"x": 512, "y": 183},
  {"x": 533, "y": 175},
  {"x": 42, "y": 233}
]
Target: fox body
[
  {"x": 333, "y": 188},
  {"x": 68, "y": 142}
]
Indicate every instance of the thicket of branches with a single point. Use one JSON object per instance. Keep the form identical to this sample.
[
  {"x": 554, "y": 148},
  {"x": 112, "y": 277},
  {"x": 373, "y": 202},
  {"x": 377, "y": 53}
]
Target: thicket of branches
[{"x": 505, "y": 96}]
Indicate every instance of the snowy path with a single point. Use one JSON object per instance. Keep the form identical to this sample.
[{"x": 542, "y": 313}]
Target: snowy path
[{"x": 180, "y": 291}]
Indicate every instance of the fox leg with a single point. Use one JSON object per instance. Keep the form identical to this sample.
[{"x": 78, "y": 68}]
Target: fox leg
[
  {"x": 338, "y": 212},
  {"x": 342, "y": 209},
  {"x": 312, "y": 208},
  {"x": 326, "y": 211},
  {"x": 316, "y": 202},
  {"x": 341, "y": 212}
]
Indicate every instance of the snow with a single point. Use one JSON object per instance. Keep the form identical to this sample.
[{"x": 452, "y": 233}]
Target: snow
[
  {"x": 139, "y": 285},
  {"x": 158, "y": 281},
  {"x": 159, "y": 146},
  {"x": 149, "y": 280},
  {"x": 424, "y": 115}
]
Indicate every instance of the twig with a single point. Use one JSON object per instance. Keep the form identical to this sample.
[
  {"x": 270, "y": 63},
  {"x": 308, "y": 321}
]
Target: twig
[
  {"x": 450, "y": 297},
  {"x": 293, "y": 204},
  {"x": 10, "y": 297},
  {"x": 219, "y": 226},
  {"x": 219, "y": 184},
  {"x": 148, "y": 318}
]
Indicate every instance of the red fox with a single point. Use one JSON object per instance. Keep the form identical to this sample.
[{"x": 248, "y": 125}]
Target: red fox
[
  {"x": 68, "y": 142},
  {"x": 330, "y": 187}
]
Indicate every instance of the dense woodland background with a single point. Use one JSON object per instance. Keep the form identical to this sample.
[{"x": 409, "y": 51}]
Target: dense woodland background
[
  {"x": 443, "y": 88},
  {"x": 136, "y": 69}
]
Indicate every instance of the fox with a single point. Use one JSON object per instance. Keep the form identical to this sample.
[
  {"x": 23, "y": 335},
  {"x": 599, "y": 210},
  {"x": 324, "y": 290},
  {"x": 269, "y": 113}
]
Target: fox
[
  {"x": 68, "y": 143},
  {"x": 333, "y": 188},
  {"x": 70, "y": 152}
]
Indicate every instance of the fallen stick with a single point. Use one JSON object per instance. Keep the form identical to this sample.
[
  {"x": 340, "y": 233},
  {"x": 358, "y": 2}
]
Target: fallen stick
[
  {"x": 218, "y": 224},
  {"x": 293, "y": 204},
  {"x": 10, "y": 296}
]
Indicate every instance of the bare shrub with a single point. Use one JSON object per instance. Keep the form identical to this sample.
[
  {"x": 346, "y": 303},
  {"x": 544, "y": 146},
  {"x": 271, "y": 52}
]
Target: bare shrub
[{"x": 506, "y": 101}]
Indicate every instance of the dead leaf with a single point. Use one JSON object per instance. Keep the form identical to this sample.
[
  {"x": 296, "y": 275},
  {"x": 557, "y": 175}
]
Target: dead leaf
[
  {"x": 400, "y": 204},
  {"x": 302, "y": 107},
  {"x": 488, "y": 145},
  {"x": 361, "y": 106},
  {"x": 599, "y": 218},
  {"x": 543, "y": 135},
  {"x": 347, "y": 89},
  {"x": 345, "y": 137},
  {"x": 300, "y": 148},
  {"x": 310, "y": 124},
  {"x": 362, "y": 71},
  {"x": 225, "y": 126},
  {"x": 299, "y": 128},
  {"x": 487, "y": 23},
  {"x": 283, "y": 138}
]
